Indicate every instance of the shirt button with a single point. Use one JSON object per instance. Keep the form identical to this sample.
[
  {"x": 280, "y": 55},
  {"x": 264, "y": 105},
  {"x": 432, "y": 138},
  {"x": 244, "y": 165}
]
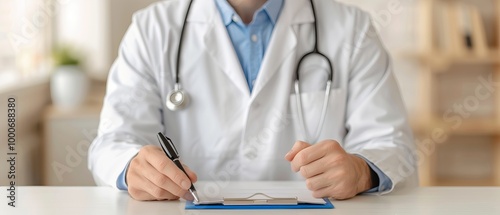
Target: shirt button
[
  {"x": 235, "y": 18},
  {"x": 254, "y": 38}
]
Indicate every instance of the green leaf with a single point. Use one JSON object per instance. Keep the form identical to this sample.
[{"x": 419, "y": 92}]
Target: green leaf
[{"x": 65, "y": 56}]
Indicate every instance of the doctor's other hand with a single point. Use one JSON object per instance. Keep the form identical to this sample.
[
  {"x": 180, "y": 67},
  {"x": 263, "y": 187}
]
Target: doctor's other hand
[
  {"x": 152, "y": 175},
  {"x": 329, "y": 170}
]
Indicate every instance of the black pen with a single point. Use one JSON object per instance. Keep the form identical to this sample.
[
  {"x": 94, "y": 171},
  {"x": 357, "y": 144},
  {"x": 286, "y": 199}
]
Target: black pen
[{"x": 168, "y": 147}]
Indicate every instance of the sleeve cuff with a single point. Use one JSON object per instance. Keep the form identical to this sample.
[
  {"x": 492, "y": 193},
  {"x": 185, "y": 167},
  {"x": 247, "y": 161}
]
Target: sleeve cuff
[
  {"x": 121, "y": 181},
  {"x": 385, "y": 182},
  {"x": 121, "y": 184}
]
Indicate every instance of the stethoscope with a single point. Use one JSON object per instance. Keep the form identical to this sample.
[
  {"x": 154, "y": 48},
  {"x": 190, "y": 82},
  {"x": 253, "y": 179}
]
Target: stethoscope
[{"x": 178, "y": 99}]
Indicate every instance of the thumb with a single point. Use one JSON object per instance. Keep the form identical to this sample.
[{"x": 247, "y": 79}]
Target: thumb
[
  {"x": 190, "y": 174},
  {"x": 297, "y": 147}
]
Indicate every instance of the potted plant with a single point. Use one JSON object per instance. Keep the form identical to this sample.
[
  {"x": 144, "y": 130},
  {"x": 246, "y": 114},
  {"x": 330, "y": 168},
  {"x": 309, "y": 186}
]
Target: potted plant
[{"x": 69, "y": 84}]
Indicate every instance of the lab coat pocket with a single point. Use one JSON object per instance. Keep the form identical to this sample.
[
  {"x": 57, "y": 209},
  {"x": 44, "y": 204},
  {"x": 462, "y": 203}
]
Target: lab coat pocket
[{"x": 312, "y": 105}]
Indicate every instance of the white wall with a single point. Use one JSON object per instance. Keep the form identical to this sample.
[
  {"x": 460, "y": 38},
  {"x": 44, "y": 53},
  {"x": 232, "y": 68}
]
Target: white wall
[
  {"x": 121, "y": 15},
  {"x": 84, "y": 24},
  {"x": 96, "y": 27}
]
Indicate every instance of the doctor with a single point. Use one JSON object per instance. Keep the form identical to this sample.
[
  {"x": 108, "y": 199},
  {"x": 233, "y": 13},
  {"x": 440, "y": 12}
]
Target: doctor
[{"x": 251, "y": 111}]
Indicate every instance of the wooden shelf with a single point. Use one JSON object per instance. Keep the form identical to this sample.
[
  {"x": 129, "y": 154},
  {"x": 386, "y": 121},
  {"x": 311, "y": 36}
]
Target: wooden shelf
[
  {"x": 467, "y": 127},
  {"x": 441, "y": 46},
  {"x": 440, "y": 62}
]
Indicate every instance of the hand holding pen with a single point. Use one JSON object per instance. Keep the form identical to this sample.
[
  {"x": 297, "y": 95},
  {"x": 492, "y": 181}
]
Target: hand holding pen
[
  {"x": 168, "y": 147},
  {"x": 153, "y": 176}
]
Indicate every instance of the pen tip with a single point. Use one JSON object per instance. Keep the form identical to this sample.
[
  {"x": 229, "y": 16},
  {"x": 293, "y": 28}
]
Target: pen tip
[{"x": 195, "y": 196}]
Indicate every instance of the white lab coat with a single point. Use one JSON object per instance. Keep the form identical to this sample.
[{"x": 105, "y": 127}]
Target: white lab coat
[{"x": 228, "y": 133}]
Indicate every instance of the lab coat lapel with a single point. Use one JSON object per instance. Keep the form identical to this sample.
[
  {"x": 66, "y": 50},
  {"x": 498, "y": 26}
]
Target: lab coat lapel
[
  {"x": 217, "y": 42},
  {"x": 283, "y": 41}
]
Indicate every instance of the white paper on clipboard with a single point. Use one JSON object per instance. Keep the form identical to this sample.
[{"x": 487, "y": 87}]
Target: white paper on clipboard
[{"x": 302, "y": 195}]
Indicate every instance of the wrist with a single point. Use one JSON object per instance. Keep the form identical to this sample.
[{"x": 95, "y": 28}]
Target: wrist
[{"x": 363, "y": 175}]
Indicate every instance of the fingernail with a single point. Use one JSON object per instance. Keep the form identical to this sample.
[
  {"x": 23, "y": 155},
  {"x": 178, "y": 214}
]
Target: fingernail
[
  {"x": 188, "y": 196},
  {"x": 185, "y": 184},
  {"x": 287, "y": 154}
]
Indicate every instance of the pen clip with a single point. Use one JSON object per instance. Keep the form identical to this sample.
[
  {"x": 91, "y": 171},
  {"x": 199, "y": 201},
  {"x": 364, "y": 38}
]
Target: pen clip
[{"x": 163, "y": 143}]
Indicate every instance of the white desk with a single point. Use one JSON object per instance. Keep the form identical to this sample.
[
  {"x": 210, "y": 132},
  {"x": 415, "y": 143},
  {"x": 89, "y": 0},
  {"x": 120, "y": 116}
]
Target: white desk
[{"x": 103, "y": 200}]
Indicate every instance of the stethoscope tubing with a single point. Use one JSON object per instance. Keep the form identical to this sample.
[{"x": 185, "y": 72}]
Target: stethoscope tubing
[
  {"x": 179, "y": 48},
  {"x": 326, "y": 100},
  {"x": 173, "y": 105}
]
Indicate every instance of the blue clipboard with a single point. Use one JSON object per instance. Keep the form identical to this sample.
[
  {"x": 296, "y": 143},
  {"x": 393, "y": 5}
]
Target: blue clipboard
[{"x": 191, "y": 206}]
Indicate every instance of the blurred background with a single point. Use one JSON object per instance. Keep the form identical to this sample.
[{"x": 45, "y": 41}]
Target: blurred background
[{"x": 55, "y": 56}]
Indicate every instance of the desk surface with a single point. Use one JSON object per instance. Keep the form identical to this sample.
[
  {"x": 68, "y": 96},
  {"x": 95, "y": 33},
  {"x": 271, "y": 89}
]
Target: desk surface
[{"x": 104, "y": 200}]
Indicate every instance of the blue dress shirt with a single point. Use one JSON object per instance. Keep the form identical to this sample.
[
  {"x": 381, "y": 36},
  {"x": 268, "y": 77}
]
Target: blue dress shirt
[{"x": 250, "y": 43}]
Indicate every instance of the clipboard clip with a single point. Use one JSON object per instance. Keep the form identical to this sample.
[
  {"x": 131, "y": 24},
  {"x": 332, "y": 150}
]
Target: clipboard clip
[{"x": 263, "y": 200}]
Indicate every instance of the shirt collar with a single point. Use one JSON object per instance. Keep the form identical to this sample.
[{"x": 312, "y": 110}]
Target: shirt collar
[{"x": 271, "y": 7}]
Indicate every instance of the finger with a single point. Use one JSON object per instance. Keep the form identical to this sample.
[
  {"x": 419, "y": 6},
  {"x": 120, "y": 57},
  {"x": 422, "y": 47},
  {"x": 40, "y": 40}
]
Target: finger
[
  {"x": 319, "y": 182},
  {"x": 164, "y": 165},
  {"x": 315, "y": 152},
  {"x": 297, "y": 147},
  {"x": 334, "y": 192},
  {"x": 135, "y": 181},
  {"x": 188, "y": 196},
  {"x": 307, "y": 156},
  {"x": 157, "y": 192},
  {"x": 323, "y": 193},
  {"x": 190, "y": 173},
  {"x": 162, "y": 181},
  {"x": 140, "y": 195},
  {"x": 315, "y": 168}
]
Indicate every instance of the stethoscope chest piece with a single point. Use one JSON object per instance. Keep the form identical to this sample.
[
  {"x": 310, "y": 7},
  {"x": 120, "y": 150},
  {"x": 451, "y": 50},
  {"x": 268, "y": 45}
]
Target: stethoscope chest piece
[{"x": 177, "y": 99}]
